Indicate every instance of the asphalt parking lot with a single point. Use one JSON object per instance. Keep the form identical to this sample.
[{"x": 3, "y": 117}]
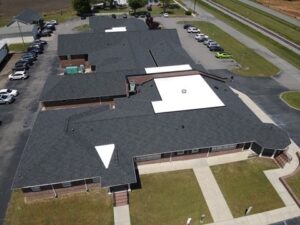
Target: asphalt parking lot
[
  {"x": 18, "y": 118},
  {"x": 198, "y": 51}
]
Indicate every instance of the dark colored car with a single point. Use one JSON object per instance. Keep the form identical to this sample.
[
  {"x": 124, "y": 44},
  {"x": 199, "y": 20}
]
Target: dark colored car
[
  {"x": 26, "y": 60},
  {"x": 21, "y": 67},
  {"x": 45, "y": 33},
  {"x": 32, "y": 55},
  {"x": 50, "y": 27},
  {"x": 22, "y": 63},
  {"x": 216, "y": 49},
  {"x": 186, "y": 26},
  {"x": 36, "y": 50},
  {"x": 38, "y": 41}
]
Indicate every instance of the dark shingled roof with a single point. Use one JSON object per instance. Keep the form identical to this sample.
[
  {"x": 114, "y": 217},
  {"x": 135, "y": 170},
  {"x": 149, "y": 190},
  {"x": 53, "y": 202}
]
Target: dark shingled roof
[
  {"x": 28, "y": 16},
  {"x": 116, "y": 55},
  {"x": 62, "y": 143},
  {"x": 101, "y": 23}
]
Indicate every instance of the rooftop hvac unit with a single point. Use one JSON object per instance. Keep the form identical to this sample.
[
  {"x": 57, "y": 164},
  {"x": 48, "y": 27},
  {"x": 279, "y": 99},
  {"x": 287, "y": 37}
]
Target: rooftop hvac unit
[{"x": 132, "y": 86}]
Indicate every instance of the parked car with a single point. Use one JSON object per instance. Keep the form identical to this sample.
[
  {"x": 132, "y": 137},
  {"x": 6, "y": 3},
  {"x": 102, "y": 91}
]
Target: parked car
[
  {"x": 45, "y": 33},
  {"x": 202, "y": 39},
  {"x": 213, "y": 43},
  {"x": 124, "y": 16},
  {"x": 49, "y": 27},
  {"x": 200, "y": 36},
  {"x": 54, "y": 22},
  {"x": 193, "y": 30},
  {"x": 166, "y": 14},
  {"x": 6, "y": 99},
  {"x": 21, "y": 63},
  {"x": 12, "y": 92},
  {"x": 36, "y": 50},
  {"x": 29, "y": 62},
  {"x": 18, "y": 75},
  {"x": 223, "y": 55},
  {"x": 20, "y": 67},
  {"x": 186, "y": 26},
  {"x": 38, "y": 41},
  {"x": 29, "y": 55},
  {"x": 216, "y": 49},
  {"x": 207, "y": 41}
]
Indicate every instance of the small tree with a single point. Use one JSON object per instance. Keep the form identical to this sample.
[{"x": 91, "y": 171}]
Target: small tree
[
  {"x": 165, "y": 4},
  {"x": 135, "y": 4},
  {"x": 81, "y": 6}
]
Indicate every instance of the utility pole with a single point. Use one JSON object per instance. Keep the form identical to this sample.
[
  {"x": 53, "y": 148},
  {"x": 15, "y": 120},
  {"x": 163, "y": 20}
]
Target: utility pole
[
  {"x": 194, "y": 6},
  {"x": 20, "y": 32}
]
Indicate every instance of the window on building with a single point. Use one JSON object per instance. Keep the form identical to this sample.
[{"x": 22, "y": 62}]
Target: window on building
[
  {"x": 66, "y": 184},
  {"x": 223, "y": 147},
  {"x": 36, "y": 188}
]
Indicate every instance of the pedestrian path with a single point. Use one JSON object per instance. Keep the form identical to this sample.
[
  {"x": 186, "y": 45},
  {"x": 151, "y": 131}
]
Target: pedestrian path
[
  {"x": 122, "y": 215},
  {"x": 214, "y": 198}
]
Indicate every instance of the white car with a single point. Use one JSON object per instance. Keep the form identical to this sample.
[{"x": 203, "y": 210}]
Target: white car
[
  {"x": 200, "y": 36},
  {"x": 6, "y": 99},
  {"x": 54, "y": 22},
  {"x": 9, "y": 92},
  {"x": 18, "y": 75},
  {"x": 166, "y": 15},
  {"x": 193, "y": 30}
]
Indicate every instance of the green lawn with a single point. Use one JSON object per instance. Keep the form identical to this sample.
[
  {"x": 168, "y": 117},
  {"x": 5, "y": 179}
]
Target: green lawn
[
  {"x": 294, "y": 183},
  {"x": 86, "y": 208},
  {"x": 158, "y": 10},
  {"x": 18, "y": 47},
  {"x": 251, "y": 63},
  {"x": 168, "y": 198},
  {"x": 282, "y": 27},
  {"x": 82, "y": 28},
  {"x": 244, "y": 184},
  {"x": 276, "y": 48},
  {"x": 60, "y": 15},
  {"x": 292, "y": 98}
]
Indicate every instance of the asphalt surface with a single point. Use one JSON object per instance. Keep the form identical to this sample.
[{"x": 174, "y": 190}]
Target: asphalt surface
[{"x": 265, "y": 93}]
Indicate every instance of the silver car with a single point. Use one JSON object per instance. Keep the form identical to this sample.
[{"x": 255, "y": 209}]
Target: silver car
[{"x": 6, "y": 99}]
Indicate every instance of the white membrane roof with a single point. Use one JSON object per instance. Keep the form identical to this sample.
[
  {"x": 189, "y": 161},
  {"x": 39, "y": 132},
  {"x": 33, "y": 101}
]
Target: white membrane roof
[
  {"x": 165, "y": 69},
  {"x": 184, "y": 93},
  {"x": 105, "y": 153},
  {"x": 116, "y": 29}
]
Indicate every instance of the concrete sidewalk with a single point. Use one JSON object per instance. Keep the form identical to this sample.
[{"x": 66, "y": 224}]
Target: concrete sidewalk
[{"x": 122, "y": 215}]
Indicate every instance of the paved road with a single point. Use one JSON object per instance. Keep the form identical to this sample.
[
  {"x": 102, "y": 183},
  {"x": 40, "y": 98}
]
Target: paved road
[
  {"x": 289, "y": 77},
  {"x": 258, "y": 27},
  {"x": 18, "y": 118},
  {"x": 273, "y": 12}
]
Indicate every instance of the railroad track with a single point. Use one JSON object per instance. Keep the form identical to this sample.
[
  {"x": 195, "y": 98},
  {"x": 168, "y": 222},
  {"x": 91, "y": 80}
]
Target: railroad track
[{"x": 259, "y": 27}]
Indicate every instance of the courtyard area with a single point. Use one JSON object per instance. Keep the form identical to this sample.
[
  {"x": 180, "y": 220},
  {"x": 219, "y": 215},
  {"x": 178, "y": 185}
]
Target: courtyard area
[
  {"x": 244, "y": 184},
  {"x": 168, "y": 198},
  {"x": 91, "y": 208}
]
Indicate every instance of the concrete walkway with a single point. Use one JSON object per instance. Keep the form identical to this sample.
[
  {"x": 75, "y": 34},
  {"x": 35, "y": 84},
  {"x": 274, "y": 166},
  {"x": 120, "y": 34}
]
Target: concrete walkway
[
  {"x": 122, "y": 215},
  {"x": 289, "y": 76},
  {"x": 273, "y": 12}
]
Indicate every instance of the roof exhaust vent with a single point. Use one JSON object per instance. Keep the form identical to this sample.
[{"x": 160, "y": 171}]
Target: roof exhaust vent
[
  {"x": 183, "y": 91},
  {"x": 132, "y": 86}
]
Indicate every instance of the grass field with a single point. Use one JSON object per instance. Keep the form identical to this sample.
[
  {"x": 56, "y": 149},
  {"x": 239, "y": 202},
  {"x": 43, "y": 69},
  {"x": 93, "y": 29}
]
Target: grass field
[
  {"x": 82, "y": 28},
  {"x": 86, "y": 208},
  {"x": 18, "y": 47},
  {"x": 276, "y": 48},
  {"x": 269, "y": 21},
  {"x": 294, "y": 183},
  {"x": 246, "y": 185},
  {"x": 168, "y": 198},
  {"x": 60, "y": 15},
  {"x": 251, "y": 63},
  {"x": 292, "y": 98}
]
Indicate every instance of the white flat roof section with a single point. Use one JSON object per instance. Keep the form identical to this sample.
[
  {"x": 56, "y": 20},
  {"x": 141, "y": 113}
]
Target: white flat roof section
[
  {"x": 165, "y": 69},
  {"x": 184, "y": 93},
  {"x": 116, "y": 29},
  {"x": 105, "y": 153}
]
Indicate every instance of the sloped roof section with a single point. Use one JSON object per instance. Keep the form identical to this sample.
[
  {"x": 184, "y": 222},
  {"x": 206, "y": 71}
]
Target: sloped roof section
[{"x": 28, "y": 16}]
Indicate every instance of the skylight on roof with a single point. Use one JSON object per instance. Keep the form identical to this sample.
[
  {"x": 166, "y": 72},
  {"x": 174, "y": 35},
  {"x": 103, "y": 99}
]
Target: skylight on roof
[
  {"x": 165, "y": 69},
  {"x": 184, "y": 93},
  {"x": 105, "y": 153},
  {"x": 116, "y": 29}
]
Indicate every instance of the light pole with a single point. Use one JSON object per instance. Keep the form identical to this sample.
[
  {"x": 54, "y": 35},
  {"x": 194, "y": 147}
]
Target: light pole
[{"x": 20, "y": 32}]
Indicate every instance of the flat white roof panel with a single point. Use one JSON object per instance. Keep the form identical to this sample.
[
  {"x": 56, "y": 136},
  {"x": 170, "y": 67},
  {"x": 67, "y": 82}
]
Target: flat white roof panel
[
  {"x": 116, "y": 29},
  {"x": 184, "y": 93},
  {"x": 165, "y": 69},
  {"x": 105, "y": 153}
]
